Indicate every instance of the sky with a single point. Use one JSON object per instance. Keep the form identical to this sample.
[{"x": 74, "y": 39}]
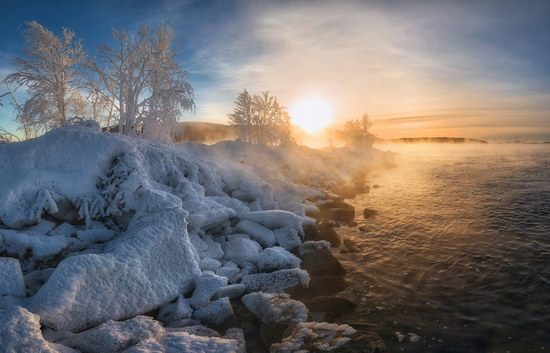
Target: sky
[{"x": 478, "y": 69}]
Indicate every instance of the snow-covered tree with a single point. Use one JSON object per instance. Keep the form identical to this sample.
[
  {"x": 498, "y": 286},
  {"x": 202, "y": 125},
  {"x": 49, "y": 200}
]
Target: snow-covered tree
[
  {"x": 357, "y": 131},
  {"x": 261, "y": 119},
  {"x": 242, "y": 117},
  {"x": 50, "y": 72},
  {"x": 144, "y": 81}
]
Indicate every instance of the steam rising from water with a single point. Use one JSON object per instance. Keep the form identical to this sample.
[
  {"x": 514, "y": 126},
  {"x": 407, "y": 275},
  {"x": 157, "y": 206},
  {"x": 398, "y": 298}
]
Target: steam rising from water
[{"x": 460, "y": 250}]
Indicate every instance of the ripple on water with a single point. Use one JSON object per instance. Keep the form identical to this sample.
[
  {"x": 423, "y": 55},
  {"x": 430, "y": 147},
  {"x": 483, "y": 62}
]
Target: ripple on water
[{"x": 459, "y": 252}]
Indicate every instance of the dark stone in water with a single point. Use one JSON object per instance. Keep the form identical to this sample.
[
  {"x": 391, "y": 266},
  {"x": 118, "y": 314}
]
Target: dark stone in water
[
  {"x": 363, "y": 342},
  {"x": 376, "y": 186},
  {"x": 272, "y": 333},
  {"x": 321, "y": 285},
  {"x": 338, "y": 211},
  {"x": 351, "y": 245},
  {"x": 368, "y": 213},
  {"x": 323, "y": 231},
  {"x": 334, "y": 305},
  {"x": 322, "y": 263}
]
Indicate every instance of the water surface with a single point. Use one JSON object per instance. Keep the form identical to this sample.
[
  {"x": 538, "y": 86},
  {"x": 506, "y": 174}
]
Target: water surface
[{"x": 459, "y": 253}]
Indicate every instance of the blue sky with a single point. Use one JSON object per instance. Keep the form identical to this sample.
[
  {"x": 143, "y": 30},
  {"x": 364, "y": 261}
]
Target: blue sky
[{"x": 457, "y": 68}]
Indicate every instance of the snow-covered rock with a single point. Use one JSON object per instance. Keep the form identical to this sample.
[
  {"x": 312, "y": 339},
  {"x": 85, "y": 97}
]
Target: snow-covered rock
[
  {"x": 95, "y": 235},
  {"x": 145, "y": 267},
  {"x": 20, "y": 333},
  {"x": 277, "y": 258},
  {"x": 287, "y": 237},
  {"x": 209, "y": 264},
  {"x": 207, "y": 285},
  {"x": 275, "y": 282},
  {"x": 240, "y": 250},
  {"x": 11, "y": 278},
  {"x": 214, "y": 313},
  {"x": 275, "y": 308},
  {"x": 64, "y": 229},
  {"x": 264, "y": 236},
  {"x": 114, "y": 336},
  {"x": 172, "y": 342},
  {"x": 231, "y": 291},
  {"x": 273, "y": 219},
  {"x": 42, "y": 227},
  {"x": 42, "y": 247},
  {"x": 228, "y": 270},
  {"x": 181, "y": 309},
  {"x": 315, "y": 336}
]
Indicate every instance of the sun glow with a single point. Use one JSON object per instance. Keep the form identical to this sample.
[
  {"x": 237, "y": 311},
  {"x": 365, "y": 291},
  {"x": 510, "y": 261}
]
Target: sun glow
[{"x": 312, "y": 114}]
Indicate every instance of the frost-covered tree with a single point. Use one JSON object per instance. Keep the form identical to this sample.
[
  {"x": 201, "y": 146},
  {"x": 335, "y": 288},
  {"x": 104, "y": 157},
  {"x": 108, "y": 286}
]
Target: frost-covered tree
[
  {"x": 243, "y": 116},
  {"x": 50, "y": 72},
  {"x": 260, "y": 119},
  {"x": 357, "y": 131},
  {"x": 144, "y": 81}
]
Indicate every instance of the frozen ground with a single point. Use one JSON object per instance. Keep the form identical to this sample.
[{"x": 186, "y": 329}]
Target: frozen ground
[{"x": 97, "y": 229}]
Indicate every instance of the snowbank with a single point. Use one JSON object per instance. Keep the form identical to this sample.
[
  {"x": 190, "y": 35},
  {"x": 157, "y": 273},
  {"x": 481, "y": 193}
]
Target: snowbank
[{"x": 107, "y": 228}]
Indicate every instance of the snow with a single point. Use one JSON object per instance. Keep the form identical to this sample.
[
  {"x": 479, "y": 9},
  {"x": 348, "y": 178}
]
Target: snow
[
  {"x": 228, "y": 270},
  {"x": 277, "y": 258},
  {"x": 64, "y": 229},
  {"x": 11, "y": 278},
  {"x": 275, "y": 282},
  {"x": 241, "y": 250},
  {"x": 20, "y": 333},
  {"x": 275, "y": 308},
  {"x": 160, "y": 221},
  {"x": 43, "y": 247},
  {"x": 264, "y": 236},
  {"x": 214, "y": 313},
  {"x": 287, "y": 237},
  {"x": 114, "y": 336},
  {"x": 207, "y": 285},
  {"x": 273, "y": 219},
  {"x": 145, "y": 267},
  {"x": 181, "y": 309},
  {"x": 95, "y": 235},
  {"x": 231, "y": 291}
]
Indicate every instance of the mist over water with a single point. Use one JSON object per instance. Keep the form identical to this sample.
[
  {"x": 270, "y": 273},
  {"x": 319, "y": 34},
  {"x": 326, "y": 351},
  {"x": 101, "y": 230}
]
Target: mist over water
[{"x": 459, "y": 252}]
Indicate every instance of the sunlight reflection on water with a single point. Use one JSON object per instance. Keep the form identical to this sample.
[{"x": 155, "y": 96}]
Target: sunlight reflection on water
[{"x": 459, "y": 252}]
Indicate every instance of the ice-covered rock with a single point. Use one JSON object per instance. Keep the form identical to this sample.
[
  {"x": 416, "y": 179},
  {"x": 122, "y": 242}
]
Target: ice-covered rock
[
  {"x": 311, "y": 246},
  {"x": 275, "y": 308},
  {"x": 240, "y": 250},
  {"x": 207, "y": 285},
  {"x": 20, "y": 333},
  {"x": 114, "y": 336},
  {"x": 11, "y": 278},
  {"x": 228, "y": 270},
  {"x": 95, "y": 235},
  {"x": 181, "y": 309},
  {"x": 273, "y": 219},
  {"x": 42, "y": 247},
  {"x": 214, "y": 313},
  {"x": 275, "y": 282},
  {"x": 172, "y": 342},
  {"x": 209, "y": 264},
  {"x": 64, "y": 229},
  {"x": 277, "y": 258},
  {"x": 42, "y": 227},
  {"x": 145, "y": 267},
  {"x": 213, "y": 250},
  {"x": 315, "y": 336},
  {"x": 236, "y": 236},
  {"x": 287, "y": 237},
  {"x": 231, "y": 291},
  {"x": 264, "y": 236}
]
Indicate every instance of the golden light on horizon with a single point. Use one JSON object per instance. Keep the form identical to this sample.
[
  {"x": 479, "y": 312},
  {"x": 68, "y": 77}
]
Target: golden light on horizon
[{"x": 312, "y": 114}]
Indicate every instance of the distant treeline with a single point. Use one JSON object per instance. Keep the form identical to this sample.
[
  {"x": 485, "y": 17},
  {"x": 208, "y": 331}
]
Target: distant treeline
[{"x": 430, "y": 140}]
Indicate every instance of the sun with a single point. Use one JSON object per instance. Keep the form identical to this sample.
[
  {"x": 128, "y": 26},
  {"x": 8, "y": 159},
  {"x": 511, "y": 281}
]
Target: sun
[{"x": 312, "y": 114}]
